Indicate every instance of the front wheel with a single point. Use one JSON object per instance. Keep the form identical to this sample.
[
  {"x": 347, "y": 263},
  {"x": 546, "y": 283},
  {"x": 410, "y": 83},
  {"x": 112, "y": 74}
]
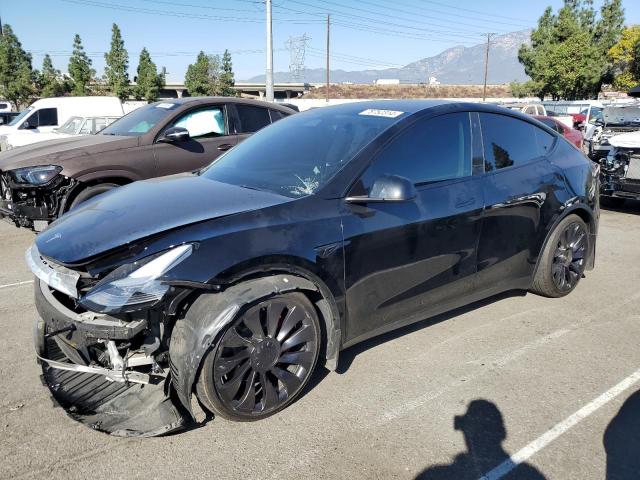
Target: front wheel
[
  {"x": 563, "y": 259},
  {"x": 263, "y": 359},
  {"x": 91, "y": 192}
]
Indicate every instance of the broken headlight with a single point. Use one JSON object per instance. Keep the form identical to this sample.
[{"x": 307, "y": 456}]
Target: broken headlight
[
  {"x": 39, "y": 175},
  {"x": 135, "y": 285}
]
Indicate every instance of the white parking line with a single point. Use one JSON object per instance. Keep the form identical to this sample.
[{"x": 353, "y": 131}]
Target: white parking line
[
  {"x": 17, "y": 284},
  {"x": 545, "y": 439}
]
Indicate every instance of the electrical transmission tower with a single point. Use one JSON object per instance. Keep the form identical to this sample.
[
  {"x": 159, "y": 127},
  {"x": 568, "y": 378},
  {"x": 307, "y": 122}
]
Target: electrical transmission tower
[{"x": 297, "y": 49}]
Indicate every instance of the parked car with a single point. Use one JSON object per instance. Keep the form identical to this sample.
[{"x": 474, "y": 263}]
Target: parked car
[
  {"x": 572, "y": 135},
  {"x": 38, "y": 183},
  {"x": 73, "y": 126},
  {"x": 620, "y": 171},
  {"x": 5, "y": 106},
  {"x": 613, "y": 120},
  {"x": 7, "y": 117},
  {"x": 318, "y": 232},
  {"x": 45, "y": 115}
]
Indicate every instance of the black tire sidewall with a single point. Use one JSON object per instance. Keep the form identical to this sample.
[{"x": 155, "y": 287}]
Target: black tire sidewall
[{"x": 550, "y": 251}]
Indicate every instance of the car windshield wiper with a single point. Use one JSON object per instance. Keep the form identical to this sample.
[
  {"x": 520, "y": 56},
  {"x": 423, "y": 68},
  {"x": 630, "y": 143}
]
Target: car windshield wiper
[{"x": 251, "y": 187}]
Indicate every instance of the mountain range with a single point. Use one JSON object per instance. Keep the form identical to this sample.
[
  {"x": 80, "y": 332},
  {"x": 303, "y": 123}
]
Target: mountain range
[{"x": 458, "y": 65}]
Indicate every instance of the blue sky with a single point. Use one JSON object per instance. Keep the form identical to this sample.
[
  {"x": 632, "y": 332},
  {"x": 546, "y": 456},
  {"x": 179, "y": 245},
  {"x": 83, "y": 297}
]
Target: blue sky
[{"x": 365, "y": 34}]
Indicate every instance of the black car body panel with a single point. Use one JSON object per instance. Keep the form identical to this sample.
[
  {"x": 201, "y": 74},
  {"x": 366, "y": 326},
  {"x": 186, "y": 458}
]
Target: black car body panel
[{"x": 368, "y": 267}]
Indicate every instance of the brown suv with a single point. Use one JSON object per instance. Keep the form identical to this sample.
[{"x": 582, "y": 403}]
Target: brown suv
[{"x": 40, "y": 182}]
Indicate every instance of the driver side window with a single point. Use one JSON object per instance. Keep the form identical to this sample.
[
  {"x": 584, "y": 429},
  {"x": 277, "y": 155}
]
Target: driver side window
[
  {"x": 203, "y": 123},
  {"x": 430, "y": 150}
]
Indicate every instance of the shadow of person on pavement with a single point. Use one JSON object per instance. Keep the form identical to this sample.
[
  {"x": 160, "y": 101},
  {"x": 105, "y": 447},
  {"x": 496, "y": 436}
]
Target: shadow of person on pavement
[
  {"x": 622, "y": 441},
  {"x": 484, "y": 431}
]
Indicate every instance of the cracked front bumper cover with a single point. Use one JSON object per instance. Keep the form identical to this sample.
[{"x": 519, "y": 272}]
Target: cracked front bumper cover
[{"x": 122, "y": 403}]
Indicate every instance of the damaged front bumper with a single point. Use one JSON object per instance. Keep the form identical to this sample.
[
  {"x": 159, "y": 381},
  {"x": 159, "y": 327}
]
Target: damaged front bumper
[
  {"x": 620, "y": 174},
  {"x": 33, "y": 207},
  {"x": 83, "y": 366}
]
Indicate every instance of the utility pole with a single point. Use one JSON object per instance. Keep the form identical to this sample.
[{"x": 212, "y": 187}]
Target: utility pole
[
  {"x": 486, "y": 66},
  {"x": 328, "y": 37},
  {"x": 269, "y": 72}
]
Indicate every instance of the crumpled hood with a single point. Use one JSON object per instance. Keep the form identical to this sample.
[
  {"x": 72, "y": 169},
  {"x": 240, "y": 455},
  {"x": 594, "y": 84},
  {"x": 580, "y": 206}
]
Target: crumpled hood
[
  {"x": 625, "y": 114},
  {"x": 55, "y": 152},
  {"x": 626, "y": 140},
  {"x": 142, "y": 209}
]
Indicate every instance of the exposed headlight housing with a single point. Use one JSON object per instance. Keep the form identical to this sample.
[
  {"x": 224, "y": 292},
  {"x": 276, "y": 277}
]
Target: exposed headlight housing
[
  {"x": 38, "y": 175},
  {"x": 136, "y": 285}
]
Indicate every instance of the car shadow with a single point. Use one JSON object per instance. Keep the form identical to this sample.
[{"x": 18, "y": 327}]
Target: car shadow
[
  {"x": 622, "y": 441},
  {"x": 484, "y": 431},
  {"x": 629, "y": 206},
  {"x": 349, "y": 354}
]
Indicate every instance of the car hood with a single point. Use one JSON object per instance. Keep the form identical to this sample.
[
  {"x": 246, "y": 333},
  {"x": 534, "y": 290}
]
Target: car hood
[
  {"x": 55, "y": 152},
  {"x": 143, "y": 209},
  {"x": 626, "y": 140},
  {"x": 627, "y": 114}
]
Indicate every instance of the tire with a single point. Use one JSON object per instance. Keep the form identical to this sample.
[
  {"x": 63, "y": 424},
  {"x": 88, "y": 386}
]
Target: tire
[
  {"x": 263, "y": 359},
  {"x": 563, "y": 259},
  {"x": 91, "y": 192},
  {"x": 611, "y": 202}
]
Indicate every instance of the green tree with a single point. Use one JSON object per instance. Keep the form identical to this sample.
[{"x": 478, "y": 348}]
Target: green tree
[
  {"x": 148, "y": 81},
  {"x": 227, "y": 79},
  {"x": 625, "y": 58},
  {"x": 49, "y": 80},
  {"x": 117, "y": 64},
  {"x": 16, "y": 74},
  {"x": 197, "y": 78},
  {"x": 80, "y": 69},
  {"x": 568, "y": 57}
]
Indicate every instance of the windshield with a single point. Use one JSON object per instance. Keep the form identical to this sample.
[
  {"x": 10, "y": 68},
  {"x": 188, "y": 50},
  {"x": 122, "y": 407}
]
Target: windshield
[
  {"x": 71, "y": 126},
  {"x": 141, "y": 120},
  {"x": 298, "y": 155},
  {"x": 18, "y": 119}
]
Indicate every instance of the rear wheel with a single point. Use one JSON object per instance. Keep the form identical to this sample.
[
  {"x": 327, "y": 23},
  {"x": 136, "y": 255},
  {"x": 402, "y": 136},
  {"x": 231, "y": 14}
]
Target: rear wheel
[
  {"x": 263, "y": 359},
  {"x": 563, "y": 260},
  {"x": 91, "y": 192}
]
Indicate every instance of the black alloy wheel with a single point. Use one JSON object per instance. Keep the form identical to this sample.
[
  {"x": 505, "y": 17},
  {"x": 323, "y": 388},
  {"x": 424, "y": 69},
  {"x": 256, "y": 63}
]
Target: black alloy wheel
[
  {"x": 569, "y": 257},
  {"x": 263, "y": 360},
  {"x": 563, "y": 261}
]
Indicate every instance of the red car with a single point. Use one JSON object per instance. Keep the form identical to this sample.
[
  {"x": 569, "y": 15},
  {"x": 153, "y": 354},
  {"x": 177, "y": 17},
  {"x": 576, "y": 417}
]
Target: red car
[{"x": 572, "y": 135}]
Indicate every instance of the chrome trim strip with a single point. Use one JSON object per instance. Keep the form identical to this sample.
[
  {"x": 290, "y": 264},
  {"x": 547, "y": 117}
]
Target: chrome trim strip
[{"x": 56, "y": 276}]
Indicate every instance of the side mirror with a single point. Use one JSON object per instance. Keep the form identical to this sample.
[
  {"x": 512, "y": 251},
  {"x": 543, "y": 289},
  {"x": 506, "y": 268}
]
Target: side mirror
[
  {"x": 174, "y": 134},
  {"x": 27, "y": 125},
  {"x": 388, "y": 188}
]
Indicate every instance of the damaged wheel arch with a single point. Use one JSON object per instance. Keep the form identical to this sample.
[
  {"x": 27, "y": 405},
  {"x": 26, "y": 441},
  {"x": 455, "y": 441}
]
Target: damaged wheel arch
[{"x": 197, "y": 331}]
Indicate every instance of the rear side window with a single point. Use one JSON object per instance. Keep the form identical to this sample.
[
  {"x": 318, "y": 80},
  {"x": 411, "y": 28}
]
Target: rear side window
[
  {"x": 276, "y": 115},
  {"x": 431, "y": 150},
  {"x": 509, "y": 141},
  {"x": 252, "y": 118},
  {"x": 551, "y": 124}
]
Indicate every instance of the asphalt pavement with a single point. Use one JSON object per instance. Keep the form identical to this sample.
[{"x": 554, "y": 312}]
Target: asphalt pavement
[{"x": 517, "y": 385}]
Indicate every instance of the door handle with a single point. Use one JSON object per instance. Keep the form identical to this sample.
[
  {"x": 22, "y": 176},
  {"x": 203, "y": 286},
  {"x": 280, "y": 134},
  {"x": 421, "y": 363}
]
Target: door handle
[{"x": 224, "y": 147}]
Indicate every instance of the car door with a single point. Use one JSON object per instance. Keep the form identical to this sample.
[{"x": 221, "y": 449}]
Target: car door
[
  {"x": 208, "y": 138},
  {"x": 404, "y": 261},
  {"x": 519, "y": 193}
]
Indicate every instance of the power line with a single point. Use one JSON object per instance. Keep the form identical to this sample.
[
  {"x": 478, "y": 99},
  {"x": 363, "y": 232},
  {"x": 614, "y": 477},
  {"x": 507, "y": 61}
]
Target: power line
[
  {"x": 200, "y": 16},
  {"x": 413, "y": 14},
  {"x": 392, "y": 24},
  {"x": 475, "y": 11}
]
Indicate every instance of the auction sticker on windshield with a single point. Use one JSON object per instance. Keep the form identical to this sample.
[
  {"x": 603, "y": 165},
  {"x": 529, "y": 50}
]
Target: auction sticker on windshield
[
  {"x": 374, "y": 112},
  {"x": 165, "y": 105}
]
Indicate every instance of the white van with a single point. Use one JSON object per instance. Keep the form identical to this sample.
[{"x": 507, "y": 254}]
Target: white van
[{"x": 49, "y": 113}]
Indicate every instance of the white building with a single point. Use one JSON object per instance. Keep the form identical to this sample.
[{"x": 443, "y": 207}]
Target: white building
[{"x": 387, "y": 81}]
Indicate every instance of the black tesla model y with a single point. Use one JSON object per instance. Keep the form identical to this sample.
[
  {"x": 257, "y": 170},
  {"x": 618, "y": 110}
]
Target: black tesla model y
[{"x": 220, "y": 291}]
